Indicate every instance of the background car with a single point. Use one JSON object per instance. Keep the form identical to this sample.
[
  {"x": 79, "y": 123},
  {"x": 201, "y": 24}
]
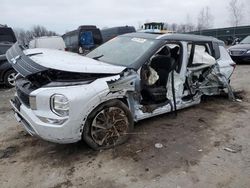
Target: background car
[
  {"x": 7, "y": 73},
  {"x": 240, "y": 53},
  {"x": 52, "y": 42},
  {"x": 113, "y": 32},
  {"x": 85, "y": 38}
]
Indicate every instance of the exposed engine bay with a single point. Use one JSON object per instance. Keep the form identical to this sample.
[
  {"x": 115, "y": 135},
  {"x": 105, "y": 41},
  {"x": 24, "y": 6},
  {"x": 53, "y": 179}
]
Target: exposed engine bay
[{"x": 52, "y": 78}]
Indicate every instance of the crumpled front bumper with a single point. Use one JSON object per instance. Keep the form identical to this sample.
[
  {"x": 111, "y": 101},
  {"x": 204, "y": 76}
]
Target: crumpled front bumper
[{"x": 35, "y": 127}]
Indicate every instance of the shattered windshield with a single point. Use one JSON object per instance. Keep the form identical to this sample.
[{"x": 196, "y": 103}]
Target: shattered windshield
[
  {"x": 122, "y": 51},
  {"x": 246, "y": 40}
]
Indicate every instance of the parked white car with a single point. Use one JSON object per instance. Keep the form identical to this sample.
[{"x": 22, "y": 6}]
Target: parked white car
[
  {"x": 64, "y": 97},
  {"x": 51, "y": 42}
]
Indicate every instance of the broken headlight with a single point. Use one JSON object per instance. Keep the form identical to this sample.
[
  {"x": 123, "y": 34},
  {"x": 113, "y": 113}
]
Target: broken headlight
[{"x": 60, "y": 105}]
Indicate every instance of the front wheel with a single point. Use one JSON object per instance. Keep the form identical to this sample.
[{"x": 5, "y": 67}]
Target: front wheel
[
  {"x": 9, "y": 78},
  {"x": 108, "y": 125}
]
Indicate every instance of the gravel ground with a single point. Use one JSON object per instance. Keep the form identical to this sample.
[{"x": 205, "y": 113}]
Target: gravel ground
[{"x": 207, "y": 145}]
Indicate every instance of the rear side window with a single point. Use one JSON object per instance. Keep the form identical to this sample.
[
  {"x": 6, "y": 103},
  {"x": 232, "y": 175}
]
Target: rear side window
[
  {"x": 216, "y": 50},
  {"x": 199, "y": 54},
  {"x": 97, "y": 36}
]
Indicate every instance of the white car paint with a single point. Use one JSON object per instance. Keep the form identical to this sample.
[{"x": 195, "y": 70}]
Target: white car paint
[
  {"x": 70, "y": 130},
  {"x": 71, "y": 62},
  {"x": 51, "y": 42},
  {"x": 225, "y": 62}
]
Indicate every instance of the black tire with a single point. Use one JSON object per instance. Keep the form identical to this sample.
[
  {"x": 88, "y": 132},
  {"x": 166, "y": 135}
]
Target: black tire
[
  {"x": 9, "y": 78},
  {"x": 91, "y": 130}
]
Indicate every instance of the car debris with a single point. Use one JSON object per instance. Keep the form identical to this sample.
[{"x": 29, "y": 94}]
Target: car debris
[
  {"x": 158, "y": 145},
  {"x": 64, "y": 97},
  {"x": 233, "y": 148}
]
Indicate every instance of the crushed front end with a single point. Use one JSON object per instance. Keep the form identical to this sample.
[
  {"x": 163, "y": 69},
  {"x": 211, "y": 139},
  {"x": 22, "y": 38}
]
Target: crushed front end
[{"x": 51, "y": 103}]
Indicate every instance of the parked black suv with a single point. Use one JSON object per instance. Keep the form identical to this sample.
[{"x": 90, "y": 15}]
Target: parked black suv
[
  {"x": 240, "y": 53},
  {"x": 113, "y": 32},
  {"x": 7, "y": 73}
]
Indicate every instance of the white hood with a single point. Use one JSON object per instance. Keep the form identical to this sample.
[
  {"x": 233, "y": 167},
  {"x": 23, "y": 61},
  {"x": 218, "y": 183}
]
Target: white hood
[{"x": 71, "y": 62}]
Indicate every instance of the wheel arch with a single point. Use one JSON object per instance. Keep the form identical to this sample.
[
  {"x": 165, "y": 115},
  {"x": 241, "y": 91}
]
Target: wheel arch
[
  {"x": 123, "y": 99},
  {"x": 85, "y": 116},
  {"x": 7, "y": 70},
  {"x": 5, "y": 77},
  {"x": 104, "y": 104}
]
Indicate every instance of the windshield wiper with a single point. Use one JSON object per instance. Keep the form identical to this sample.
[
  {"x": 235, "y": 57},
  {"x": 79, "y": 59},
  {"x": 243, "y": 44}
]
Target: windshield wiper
[{"x": 97, "y": 57}]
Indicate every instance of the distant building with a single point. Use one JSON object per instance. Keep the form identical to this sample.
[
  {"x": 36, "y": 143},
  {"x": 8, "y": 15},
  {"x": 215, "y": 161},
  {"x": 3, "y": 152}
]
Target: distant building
[{"x": 228, "y": 35}]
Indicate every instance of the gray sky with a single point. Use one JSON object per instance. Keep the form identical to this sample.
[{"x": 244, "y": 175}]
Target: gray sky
[{"x": 66, "y": 15}]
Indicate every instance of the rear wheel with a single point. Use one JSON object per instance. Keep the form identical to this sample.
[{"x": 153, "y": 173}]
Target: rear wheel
[
  {"x": 108, "y": 125},
  {"x": 9, "y": 78}
]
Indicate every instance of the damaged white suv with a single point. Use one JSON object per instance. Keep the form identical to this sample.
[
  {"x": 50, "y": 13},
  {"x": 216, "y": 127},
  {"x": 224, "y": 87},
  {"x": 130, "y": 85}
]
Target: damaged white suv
[{"x": 64, "y": 97}]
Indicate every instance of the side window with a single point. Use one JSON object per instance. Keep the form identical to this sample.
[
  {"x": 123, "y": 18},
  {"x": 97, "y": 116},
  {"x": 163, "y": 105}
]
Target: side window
[
  {"x": 216, "y": 50},
  {"x": 200, "y": 54},
  {"x": 176, "y": 54},
  {"x": 171, "y": 52}
]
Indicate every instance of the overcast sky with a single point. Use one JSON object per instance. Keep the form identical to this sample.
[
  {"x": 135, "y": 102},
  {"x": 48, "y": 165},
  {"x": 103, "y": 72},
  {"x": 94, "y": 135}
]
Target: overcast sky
[{"x": 66, "y": 15}]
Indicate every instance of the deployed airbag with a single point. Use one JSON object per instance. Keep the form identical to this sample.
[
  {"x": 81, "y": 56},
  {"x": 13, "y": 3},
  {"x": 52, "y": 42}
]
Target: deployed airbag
[{"x": 201, "y": 56}]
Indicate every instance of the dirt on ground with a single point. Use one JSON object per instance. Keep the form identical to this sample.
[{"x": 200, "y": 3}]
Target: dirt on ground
[{"x": 207, "y": 145}]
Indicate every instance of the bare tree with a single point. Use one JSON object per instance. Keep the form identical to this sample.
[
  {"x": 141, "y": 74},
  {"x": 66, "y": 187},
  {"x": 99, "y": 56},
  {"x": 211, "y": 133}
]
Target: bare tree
[
  {"x": 24, "y": 37},
  {"x": 189, "y": 24},
  {"x": 39, "y": 31},
  {"x": 139, "y": 25},
  {"x": 248, "y": 10},
  {"x": 166, "y": 26},
  {"x": 205, "y": 19},
  {"x": 182, "y": 28},
  {"x": 236, "y": 10},
  {"x": 20, "y": 35},
  {"x": 174, "y": 27}
]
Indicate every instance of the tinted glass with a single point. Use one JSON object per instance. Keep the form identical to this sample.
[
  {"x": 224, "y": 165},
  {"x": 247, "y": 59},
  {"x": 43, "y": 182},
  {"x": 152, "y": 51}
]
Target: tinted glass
[
  {"x": 246, "y": 40},
  {"x": 122, "y": 50},
  {"x": 7, "y": 35},
  {"x": 97, "y": 36},
  {"x": 3, "y": 49}
]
